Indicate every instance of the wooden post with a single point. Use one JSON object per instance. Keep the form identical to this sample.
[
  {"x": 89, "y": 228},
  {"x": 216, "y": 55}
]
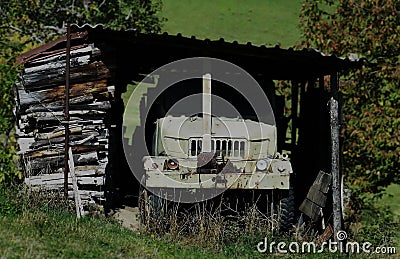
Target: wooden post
[
  {"x": 294, "y": 113},
  {"x": 336, "y": 184},
  {"x": 66, "y": 114},
  {"x": 206, "y": 142},
  {"x": 77, "y": 197}
]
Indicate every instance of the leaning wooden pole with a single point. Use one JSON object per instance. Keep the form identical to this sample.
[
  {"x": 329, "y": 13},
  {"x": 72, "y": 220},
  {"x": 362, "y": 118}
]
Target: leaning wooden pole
[
  {"x": 66, "y": 111},
  {"x": 335, "y": 155}
]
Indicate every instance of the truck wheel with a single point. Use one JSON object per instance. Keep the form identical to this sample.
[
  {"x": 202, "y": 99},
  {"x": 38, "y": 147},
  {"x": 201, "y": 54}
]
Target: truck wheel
[
  {"x": 144, "y": 210},
  {"x": 150, "y": 207},
  {"x": 286, "y": 211}
]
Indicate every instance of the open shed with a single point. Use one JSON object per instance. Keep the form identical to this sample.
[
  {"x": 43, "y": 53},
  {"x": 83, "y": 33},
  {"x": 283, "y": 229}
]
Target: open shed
[{"x": 104, "y": 62}]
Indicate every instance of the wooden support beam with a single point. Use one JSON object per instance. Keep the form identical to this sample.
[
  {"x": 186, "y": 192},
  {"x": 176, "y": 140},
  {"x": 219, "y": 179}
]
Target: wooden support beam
[
  {"x": 294, "y": 113},
  {"x": 335, "y": 155},
  {"x": 78, "y": 201},
  {"x": 66, "y": 143}
]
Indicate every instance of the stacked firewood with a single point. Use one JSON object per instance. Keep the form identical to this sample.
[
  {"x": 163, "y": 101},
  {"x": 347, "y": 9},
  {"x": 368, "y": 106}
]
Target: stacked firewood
[{"x": 40, "y": 131}]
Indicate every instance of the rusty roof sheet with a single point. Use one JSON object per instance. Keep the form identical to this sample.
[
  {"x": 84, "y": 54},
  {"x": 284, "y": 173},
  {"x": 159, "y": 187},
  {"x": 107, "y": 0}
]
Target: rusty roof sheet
[{"x": 47, "y": 48}]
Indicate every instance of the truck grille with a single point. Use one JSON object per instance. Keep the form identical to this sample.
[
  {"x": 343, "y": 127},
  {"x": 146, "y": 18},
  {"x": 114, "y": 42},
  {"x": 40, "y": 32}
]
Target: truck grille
[{"x": 220, "y": 146}]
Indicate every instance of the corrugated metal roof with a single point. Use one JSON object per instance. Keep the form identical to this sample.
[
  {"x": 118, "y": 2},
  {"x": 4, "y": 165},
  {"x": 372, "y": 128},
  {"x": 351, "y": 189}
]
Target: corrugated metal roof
[{"x": 154, "y": 50}]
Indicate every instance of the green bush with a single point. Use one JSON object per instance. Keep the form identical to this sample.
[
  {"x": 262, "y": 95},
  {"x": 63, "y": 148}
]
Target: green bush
[
  {"x": 8, "y": 171},
  {"x": 8, "y": 76},
  {"x": 10, "y": 205},
  {"x": 372, "y": 94}
]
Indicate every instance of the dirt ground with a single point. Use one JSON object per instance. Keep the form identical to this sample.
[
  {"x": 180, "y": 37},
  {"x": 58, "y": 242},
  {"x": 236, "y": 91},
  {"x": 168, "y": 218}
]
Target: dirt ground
[{"x": 129, "y": 217}]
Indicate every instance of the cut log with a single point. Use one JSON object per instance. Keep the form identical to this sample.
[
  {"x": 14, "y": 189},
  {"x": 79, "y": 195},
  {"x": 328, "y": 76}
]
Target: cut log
[
  {"x": 43, "y": 107},
  {"x": 87, "y": 195},
  {"x": 52, "y": 163},
  {"x": 49, "y": 142},
  {"x": 56, "y": 64},
  {"x": 101, "y": 106},
  {"x": 80, "y": 142},
  {"x": 21, "y": 134},
  {"x": 25, "y": 143},
  {"x": 60, "y": 54},
  {"x": 58, "y": 93},
  {"x": 58, "y": 150},
  {"x": 87, "y": 148},
  {"x": 50, "y": 124},
  {"x": 87, "y": 170},
  {"x": 57, "y": 133},
  {"x": 86, "y": 158},
  {"x": 58, "y": 179},
  {"x": 43, "y": 153},
  {"x": 92, "y": 114},
  {"x": 98, "y": 181},
  {"x": 91, "y": 72}
]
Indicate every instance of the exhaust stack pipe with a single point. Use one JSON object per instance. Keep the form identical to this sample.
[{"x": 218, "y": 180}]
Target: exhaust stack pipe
[{"x": 206, "y": 140}]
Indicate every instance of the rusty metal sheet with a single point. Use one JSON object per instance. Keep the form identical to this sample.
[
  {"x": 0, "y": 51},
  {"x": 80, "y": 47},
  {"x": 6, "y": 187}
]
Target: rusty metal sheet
[{"x": 29, "y": 55}]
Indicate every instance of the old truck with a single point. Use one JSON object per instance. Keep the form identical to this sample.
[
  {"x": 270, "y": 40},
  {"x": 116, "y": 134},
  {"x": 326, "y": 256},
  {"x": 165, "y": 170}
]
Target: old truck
[{"x": 200, "y": 156}]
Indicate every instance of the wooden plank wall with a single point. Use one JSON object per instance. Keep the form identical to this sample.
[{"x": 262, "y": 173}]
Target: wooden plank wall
[{"x": 40, "y": 114}]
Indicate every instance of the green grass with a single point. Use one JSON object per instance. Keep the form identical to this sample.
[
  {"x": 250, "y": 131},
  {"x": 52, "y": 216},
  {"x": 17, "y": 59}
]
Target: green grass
[
  {"x": 392, "y": 200},
  {"x": 267, "y": 22},
  {"x": 58, "y": 234},
  {"x": 39, "y": 225}
]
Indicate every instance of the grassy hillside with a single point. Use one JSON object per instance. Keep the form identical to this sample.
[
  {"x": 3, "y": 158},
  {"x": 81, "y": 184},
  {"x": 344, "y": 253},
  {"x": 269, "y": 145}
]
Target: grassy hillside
[
  {"x": 34, "y": 225},
  {"x": 268, "y": 22},
  {"x": 59, "y": 235}
]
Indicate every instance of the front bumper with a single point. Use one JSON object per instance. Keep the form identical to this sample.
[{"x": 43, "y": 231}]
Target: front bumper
[{"x": 276, "y": 176}]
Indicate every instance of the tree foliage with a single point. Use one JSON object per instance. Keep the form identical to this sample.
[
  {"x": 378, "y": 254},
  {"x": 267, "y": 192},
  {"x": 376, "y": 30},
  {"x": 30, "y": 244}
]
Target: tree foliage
[
  {"x": 371, "y": 95},
  {"x": 41, "y": 20},
  {"x": 25, "y": 24}
]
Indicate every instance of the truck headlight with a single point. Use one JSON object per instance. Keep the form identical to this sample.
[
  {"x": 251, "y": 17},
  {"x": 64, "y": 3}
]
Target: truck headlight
[
  {"x": 261, "y": 165},
  {"x": 172, "y": 164}
]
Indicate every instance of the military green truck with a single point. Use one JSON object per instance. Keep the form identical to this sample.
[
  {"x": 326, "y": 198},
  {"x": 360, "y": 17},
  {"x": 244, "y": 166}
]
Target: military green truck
[{"x": 204, "y": 154}]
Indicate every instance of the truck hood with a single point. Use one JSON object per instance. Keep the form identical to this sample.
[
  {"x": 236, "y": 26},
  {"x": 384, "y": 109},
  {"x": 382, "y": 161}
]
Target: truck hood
[{"x": 192, "y": 127}]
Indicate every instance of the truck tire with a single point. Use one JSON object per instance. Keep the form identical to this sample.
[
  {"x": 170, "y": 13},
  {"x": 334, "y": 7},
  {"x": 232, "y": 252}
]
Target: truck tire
[
  {"x": 286, "y": 211},
  {"x": 150, "y": 207},
  {"x": 144, "y": 211}
]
